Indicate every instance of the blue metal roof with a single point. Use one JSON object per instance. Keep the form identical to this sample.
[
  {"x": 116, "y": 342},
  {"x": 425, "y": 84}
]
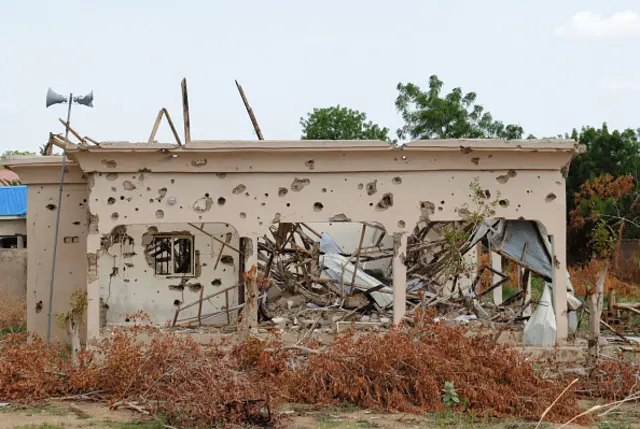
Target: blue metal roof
[{"x": 13, "y": 200}]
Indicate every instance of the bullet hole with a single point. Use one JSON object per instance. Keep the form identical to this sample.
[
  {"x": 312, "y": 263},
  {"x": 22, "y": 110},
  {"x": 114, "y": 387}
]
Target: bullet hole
[
  {"x": 221, "y": 175},
  {"x": 159, "y": 214},
  {"x": 128, "y": 186},
  {"x": 109, "y": 163},
  {"x": 263, "y": 204},
  {"x": 465, "y": 149},
  {"x": 221, "y": 201},
  {"x": 195, "y": 287},
  {"x": 486, "y": 194},
  {"x": 243, "y": 215},
  {"x": 504, "y": 203},
  {"x": 370, "y": 204},
  {"x": 427, "y": 207},
  {"x": 372, "y": 187},
  {"x": 111, "y": 201},
  {"x": 360, "y": 185},
  {"x": 227, "y": 260},
  {"x": 162, "y": 192},
  {"x": 199, "y": 162},
  {"x": 38, "y": 306},
  {"x": 317, "y": 207},
  {"x": 176, "y": 302},
  {"x": 239, "y": 189},
  {"x": 148, "y": 189},
  {"x": 339, "y": 218},
  {"x": 151, "y": 200},
  {"x": 440, "y": 209},
  {"x": 397, "y": 180},
  {"x": 385, "y": 202},
  {"x": 112, "y": 176},
  {"x": 282, "y": 192},
  {"x": 216, "y": 282},
  {"x": 248, "y": 195},
  {"x": 505, "y": 177},
  {"x": 76, "y": 222},
  {"x": 401, "y": 224},
  {"x": 288, "y": 204},
  {"x": 464, "y": 213},
  {"x": 203, "y": 205},
  {"x": 173, "y": 181},
  {"x": 298, "y": 184},
  {"x": 475, "y": 160},
  {"x": 114, "y": 216},
  {"x": 324, "y": 190},
  {"x": 51, "y": 207},
  {"x": 121, "y": 197},
  {"x": 550, "y": 197},
  {"x": 136, "y": 209},
  {"x": 266, "y": 195},
  {"x": 311, "y": 164},
  {"x": 442, "y": 202}
]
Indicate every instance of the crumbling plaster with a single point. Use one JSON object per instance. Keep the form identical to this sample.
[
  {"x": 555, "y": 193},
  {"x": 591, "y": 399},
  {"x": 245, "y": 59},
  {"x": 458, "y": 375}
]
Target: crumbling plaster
[
  {"x": 42, "y": 175},
  {"x": 250, "y": 185},
  {"x": 128, "y": 283}
]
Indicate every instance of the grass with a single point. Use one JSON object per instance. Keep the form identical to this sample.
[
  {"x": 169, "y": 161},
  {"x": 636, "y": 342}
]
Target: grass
[
  {"x": 152, "y": 424},
  {"x": 326, "y": 421}
]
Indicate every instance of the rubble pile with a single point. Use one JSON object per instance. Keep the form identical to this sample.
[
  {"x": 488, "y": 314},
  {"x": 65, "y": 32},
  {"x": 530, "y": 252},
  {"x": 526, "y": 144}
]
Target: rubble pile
[{"x": 313, "y": 284}]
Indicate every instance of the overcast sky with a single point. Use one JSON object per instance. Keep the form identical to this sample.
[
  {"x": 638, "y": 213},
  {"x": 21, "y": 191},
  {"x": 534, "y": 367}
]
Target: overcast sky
[{"x": 547, "y": 65}]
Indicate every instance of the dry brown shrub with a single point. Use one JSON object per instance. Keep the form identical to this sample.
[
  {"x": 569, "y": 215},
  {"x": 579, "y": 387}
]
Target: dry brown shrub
[
  {"x": 13, "y": 310},
  {"x": 195, "y": 385},
  {"x": 584, "y": 277},
  {"x": 405, "y": 371},
  {"x": 612, "y": 380}
]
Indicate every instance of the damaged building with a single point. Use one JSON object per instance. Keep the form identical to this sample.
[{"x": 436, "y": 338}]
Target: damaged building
[{"x": 169, "y": 231}]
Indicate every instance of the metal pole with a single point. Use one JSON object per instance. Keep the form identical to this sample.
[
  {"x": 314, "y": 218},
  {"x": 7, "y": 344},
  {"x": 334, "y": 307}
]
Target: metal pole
[{"x": 55, "y": 239}]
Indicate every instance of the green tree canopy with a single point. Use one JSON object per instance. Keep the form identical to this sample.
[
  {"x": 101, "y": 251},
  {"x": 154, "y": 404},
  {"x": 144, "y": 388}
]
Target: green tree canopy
[
  {"x": 340, "y": 123},
  {"x": 433, "y": 115}
]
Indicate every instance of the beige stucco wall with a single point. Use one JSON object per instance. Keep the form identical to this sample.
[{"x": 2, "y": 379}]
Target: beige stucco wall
[
  {"x": 251, "y": 185},
  {"x": 13, "y": 272},
  {"x": 128, "y": 283},
  {"x": 13, "y": 226}
]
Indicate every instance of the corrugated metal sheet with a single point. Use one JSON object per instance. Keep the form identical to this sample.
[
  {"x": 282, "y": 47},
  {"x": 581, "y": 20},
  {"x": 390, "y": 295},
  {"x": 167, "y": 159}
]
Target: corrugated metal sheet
[{"x": 13, "y": 200}]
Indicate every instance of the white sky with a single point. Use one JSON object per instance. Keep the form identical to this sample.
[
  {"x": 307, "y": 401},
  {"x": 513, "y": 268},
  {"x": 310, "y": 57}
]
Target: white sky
[{"x": 547, "y": 65}]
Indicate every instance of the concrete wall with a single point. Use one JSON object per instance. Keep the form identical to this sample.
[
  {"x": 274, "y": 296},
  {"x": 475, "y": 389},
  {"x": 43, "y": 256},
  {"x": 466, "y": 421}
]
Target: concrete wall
[
  {"x": 128, "y": 282},
  {"x": 71, "y": 272},
  {"x": 13, "y": 272},
  {"x": 13, "y": 226}
]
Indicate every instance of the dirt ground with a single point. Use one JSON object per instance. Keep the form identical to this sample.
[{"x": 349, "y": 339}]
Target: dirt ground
[{"x": 58, "y": 415}]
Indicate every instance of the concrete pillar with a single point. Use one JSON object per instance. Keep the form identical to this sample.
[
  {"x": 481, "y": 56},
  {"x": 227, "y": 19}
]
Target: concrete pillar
[
  {"x": 93, "y": 289},
  {"x": 559, "y": 278},
  {"x": 399, "y": 277},
  {"x": 496, "y": 263},
  {"x": 20, "y": 244}
]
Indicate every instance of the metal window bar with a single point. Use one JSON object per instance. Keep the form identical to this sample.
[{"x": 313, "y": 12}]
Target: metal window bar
[{"x": 173, "y": 255}]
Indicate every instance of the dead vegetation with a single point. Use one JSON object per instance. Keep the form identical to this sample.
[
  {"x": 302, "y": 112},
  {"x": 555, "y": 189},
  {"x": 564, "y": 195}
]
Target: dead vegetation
[
  {"x": 13, "y": 312},
  {"x": 198, "y": 386}
]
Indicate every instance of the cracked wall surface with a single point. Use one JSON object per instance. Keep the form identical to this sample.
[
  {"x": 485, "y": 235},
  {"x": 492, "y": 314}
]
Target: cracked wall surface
[
  {"x": 251, "y": 185},
  {"x": 128, "y": 282}
]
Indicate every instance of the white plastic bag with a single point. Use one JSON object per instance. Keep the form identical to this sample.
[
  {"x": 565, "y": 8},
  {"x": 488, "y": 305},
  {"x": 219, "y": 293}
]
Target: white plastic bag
[{"x": 540, "y": 330}]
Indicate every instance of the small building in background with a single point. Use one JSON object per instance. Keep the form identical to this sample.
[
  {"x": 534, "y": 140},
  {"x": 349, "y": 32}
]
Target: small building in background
[{"x": 13, "y": 215}]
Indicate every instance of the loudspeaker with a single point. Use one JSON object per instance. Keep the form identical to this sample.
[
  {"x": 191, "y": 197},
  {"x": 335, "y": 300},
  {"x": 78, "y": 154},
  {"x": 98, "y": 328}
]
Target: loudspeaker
[
  {"x": 86, "y": 100},
  {"x": 55, "y": 98}
]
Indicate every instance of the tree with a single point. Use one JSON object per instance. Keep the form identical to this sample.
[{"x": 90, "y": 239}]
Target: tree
[
  {"x": 433, "y": 115},
  {"x": 340, "y": 123},
  {"x": 616, "y": 153},
  {"x": 17, "y": 153},
  {"x": 608, "y": 204}
]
